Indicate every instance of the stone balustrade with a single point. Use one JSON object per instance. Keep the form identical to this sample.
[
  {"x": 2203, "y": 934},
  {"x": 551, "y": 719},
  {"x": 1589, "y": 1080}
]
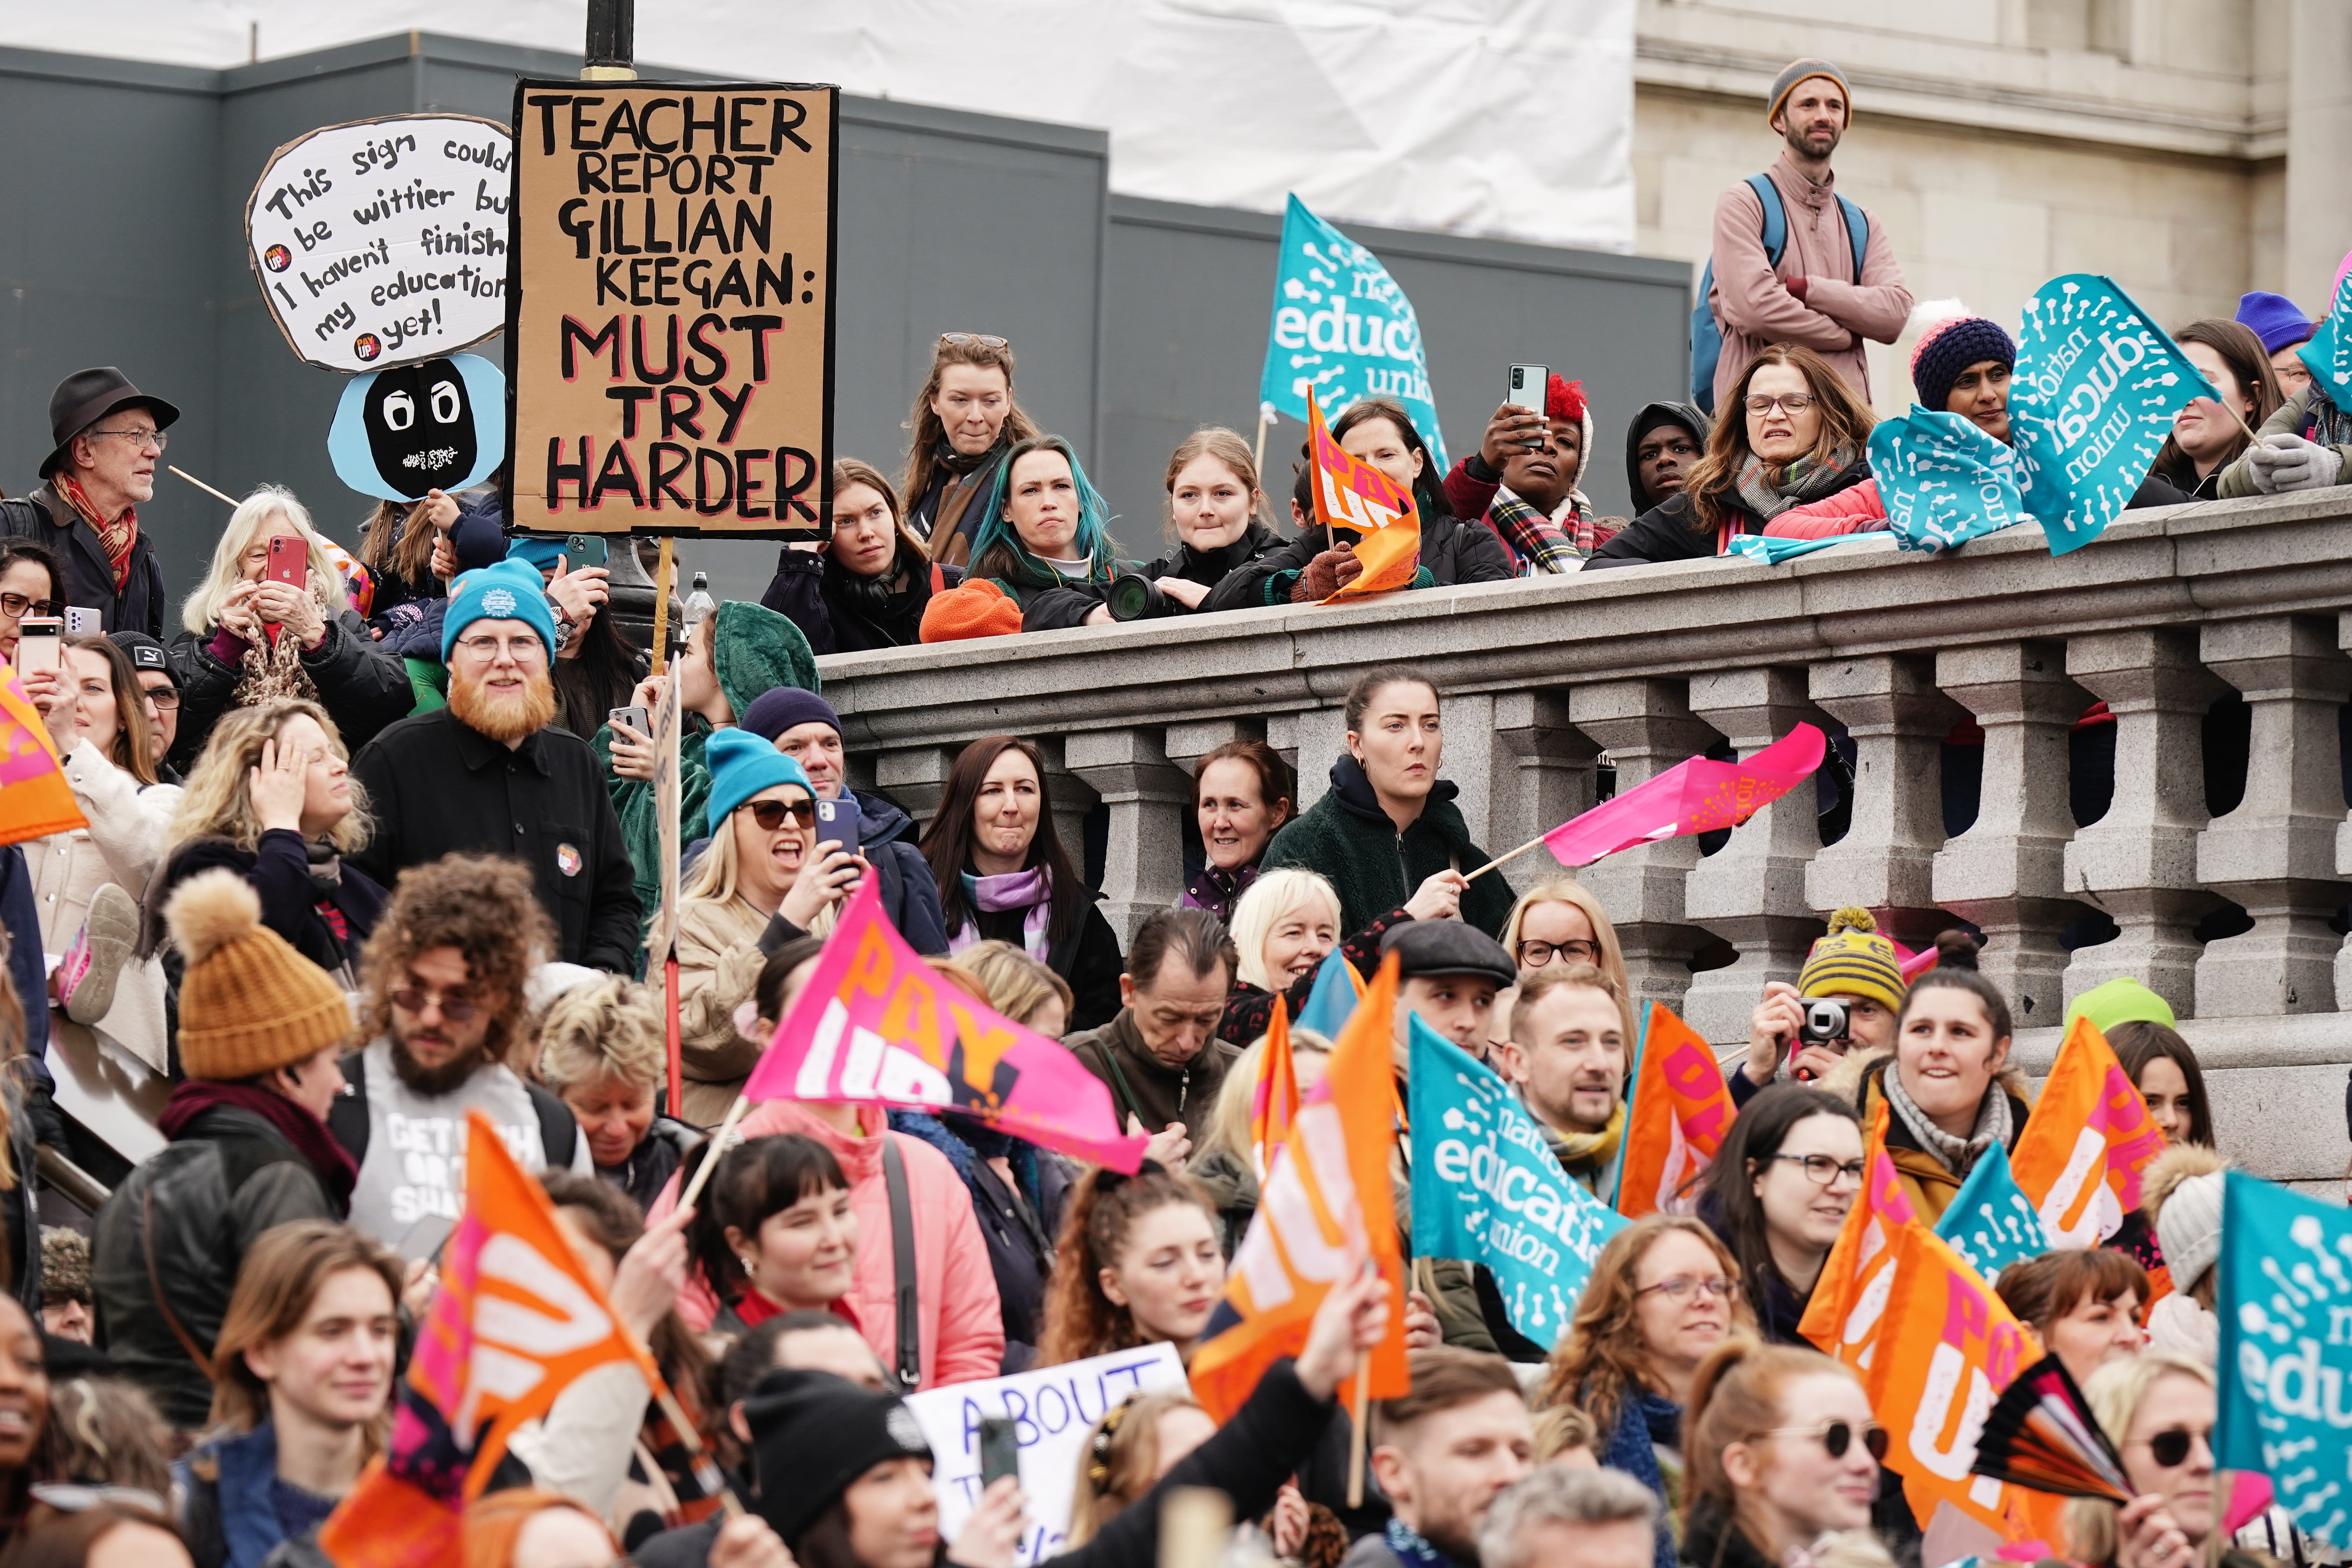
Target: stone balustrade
[{"x": 2171, "y": 611}]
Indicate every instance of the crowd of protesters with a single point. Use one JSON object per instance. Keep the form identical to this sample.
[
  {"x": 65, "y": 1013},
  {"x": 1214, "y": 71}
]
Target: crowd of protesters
[{"x": 364, "y": 857}]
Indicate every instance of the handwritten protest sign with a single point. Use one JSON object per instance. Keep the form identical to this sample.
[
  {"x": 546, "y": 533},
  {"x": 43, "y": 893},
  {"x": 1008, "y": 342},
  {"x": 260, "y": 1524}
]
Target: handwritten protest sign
[
  {"x": 1487, "y": 1189},
  {"x": 1342, "y": 330},
  {"x": 2328, "y": 354},
  {"x": 1943, "y": 479},
  {"x": 439, "y": 423},
  {"x": 1052, "y": 1410},
  {"x": 2285, "y": 1306},
  {"x": 2093, "y": 397},
  {"x": 670, "y": 320},
  {"x": 384, "y": 241}
]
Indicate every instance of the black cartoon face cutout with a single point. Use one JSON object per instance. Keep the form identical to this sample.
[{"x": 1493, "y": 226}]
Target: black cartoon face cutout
[{"x": 420, "y": 427}]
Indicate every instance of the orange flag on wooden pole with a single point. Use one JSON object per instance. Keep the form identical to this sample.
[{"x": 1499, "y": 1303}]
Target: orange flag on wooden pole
[
  {"x": 1842, "y": 1317},
  {"x": 1326, "y": 1206},
  {"x": 1677, "y": 1109},
  {"x": 2079, "y": 1160},
  {"x": 35, "y": 799},
  {"x": 1350, "y": 493}
]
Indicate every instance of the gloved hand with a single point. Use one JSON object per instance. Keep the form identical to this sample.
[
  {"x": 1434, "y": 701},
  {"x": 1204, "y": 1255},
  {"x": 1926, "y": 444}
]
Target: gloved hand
[
  {"x": 2284, "y": 462},
  {"x": 1326, "y": 574}
]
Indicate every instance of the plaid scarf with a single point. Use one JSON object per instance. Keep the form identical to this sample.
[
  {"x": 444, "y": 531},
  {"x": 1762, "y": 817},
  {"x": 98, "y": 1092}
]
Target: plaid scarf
[
  {"x": 115, "y": 538},
  {"x": 1542, "y": 544}
]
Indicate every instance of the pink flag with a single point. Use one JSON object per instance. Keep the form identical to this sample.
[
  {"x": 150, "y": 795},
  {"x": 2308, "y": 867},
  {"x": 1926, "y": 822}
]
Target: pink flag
[
  {"x": 877, "y": 1025},
  {"x": 1695, "y": 796}
]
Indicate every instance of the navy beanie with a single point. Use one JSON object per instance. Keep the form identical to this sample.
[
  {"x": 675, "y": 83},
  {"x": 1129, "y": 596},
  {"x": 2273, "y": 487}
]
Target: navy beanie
[
  {"x": 1948, "y": 348},
  {"x": 781, "y": 708}
]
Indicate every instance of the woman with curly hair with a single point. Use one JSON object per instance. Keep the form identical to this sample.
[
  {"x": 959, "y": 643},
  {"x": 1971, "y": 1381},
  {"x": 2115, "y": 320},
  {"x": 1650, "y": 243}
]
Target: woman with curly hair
[
  {"x": 1138, "y": 1263},
  {"x": 601, "y": 1049}
]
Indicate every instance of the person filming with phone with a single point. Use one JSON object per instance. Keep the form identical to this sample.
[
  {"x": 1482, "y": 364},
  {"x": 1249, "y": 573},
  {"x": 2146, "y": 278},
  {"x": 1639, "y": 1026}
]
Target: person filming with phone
[
  {"x": 1844, "y": 1001},
  {"x": 271, "y": 619},
  {"x": 1526, "y": 479}
]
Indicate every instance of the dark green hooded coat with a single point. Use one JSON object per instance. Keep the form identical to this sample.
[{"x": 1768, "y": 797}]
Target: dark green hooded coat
[{"x": 1350, "y": 839}]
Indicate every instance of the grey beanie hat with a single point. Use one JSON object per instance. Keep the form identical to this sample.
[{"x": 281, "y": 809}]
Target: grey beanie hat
[
  {"x": 1796, "y": 71},
  {"x": 2189, "y": 1227}
]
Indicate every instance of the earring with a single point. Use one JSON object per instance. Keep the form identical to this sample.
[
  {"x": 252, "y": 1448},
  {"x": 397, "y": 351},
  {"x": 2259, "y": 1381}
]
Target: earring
[{"x": 747, "y": 1264}]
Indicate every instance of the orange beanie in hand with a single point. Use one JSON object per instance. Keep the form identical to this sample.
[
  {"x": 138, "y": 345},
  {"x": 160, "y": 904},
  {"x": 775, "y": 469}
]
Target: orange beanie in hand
[{"x": 977, "y": 608}]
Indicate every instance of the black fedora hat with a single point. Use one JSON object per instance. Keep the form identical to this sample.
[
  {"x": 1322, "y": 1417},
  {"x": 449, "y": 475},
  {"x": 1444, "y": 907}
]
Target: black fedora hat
[{"x": 87, "y": 396}]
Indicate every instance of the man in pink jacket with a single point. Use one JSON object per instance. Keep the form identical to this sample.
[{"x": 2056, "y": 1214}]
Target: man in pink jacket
[{"x": 1813, "y": 296}]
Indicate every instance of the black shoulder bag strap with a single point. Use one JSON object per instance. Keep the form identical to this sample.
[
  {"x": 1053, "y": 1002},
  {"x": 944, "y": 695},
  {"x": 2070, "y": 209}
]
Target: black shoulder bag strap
[
  {"x": 909, "y": 1366},
  {"x": 347, "y": 1118},
  {"x": 559, "y": 1130}
]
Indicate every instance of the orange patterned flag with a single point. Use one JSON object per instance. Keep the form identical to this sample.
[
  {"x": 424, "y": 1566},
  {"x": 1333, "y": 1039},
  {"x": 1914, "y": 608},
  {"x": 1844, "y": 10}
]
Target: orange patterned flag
[
  {"x": 2079, "y": 1160},
  {"x": 35, "y": 799},
  {"x": 1325, "y": 1209},
  {"x": 1274, "y": 1104},
  {"x": 1352, "y": 494},
  {"x": 1677, "y": 1111},
  {"x": 1842, "y": 1317},
  {"x": 1948, "y": 1348}
]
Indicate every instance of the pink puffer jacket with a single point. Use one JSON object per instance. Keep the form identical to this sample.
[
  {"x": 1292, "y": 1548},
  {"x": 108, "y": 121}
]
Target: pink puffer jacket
[{"x": 1855, "y": 509}]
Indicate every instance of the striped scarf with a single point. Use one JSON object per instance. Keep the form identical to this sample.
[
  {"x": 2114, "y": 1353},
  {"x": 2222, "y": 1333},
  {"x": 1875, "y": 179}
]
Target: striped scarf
[{"x": 1540, "y": 544}]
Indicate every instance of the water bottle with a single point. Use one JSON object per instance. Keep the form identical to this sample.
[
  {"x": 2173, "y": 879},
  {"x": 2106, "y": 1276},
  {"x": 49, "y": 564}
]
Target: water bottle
[{"x": 698, "y": 603}]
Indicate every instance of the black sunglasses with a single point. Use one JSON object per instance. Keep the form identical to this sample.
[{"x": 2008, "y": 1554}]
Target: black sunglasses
[
  {"x": 771, "y": 813},
  {"x": 1837, "y": 1436},
  {"x": 2171, "y": 1447}
]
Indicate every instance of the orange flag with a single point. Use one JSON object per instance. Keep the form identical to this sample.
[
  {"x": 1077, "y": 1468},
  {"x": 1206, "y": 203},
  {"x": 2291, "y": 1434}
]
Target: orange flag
[
  {"x": 35, "y": 800},
  {"x": 1325, "y": 1209},
  {"x": 1273, "y": 1106},
  {"x": 516, "y": 1320},
  {"x": 1948, "y": 1348},
  {"x": 1842, "y": 1317},
  {"x": 1677, "y": 1111},
  {"x": 2080, "y": 1157},
  {"x": 1350, "y": 493}
]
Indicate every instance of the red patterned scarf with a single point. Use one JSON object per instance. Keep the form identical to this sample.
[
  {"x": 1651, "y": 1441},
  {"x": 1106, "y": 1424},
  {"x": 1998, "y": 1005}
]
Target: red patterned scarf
[{"x": 116, "y": 537}]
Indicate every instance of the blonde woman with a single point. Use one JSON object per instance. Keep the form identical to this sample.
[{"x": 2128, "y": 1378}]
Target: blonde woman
[
  {"x": 1284, "y": 926},
  {"x": 273, "y": 801},
  {"x": 1224, "y": 1160},
  {"x": 1017, "y": 985},
  {"x": 1561, "y": 922},
  {"x": 249, "y": 636},
  {"x": 603, "y": 1050},
  {"x": 762, "y": 876},
  {"x": 2158, "y": 1409}
]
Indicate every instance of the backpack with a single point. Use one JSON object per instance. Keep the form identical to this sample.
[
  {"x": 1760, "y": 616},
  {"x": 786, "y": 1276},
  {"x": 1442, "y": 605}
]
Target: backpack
[
  {"x": 1705, "y": 337},
  {"x": 347, "y": 1118}
]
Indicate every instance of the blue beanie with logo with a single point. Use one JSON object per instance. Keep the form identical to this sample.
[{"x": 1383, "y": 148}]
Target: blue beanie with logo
[
  {"x": 507, "y": 591},
  {"x": 742, "y": 765}
]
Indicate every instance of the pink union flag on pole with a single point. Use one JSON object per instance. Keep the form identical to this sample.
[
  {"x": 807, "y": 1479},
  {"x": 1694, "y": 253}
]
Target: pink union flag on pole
[
  {"x": 876, "y": 1024},
  {"x": 1695, "y": 796}
]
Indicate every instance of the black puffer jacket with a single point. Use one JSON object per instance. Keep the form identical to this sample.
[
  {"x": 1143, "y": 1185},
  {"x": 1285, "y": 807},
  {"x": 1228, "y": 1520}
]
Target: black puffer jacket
[
  {"x": 361, "y": 687},
  {"x": 1451, "y": 552},
  {"x": 206, "y": 1198},
  {"x": 1666, "y": 532},
  {"x": 1209, "y": 568},
  {"x": 839, "y": 615}
]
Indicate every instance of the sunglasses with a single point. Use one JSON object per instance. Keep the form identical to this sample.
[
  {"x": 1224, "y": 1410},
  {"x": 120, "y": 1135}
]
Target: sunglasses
[
  {"x": 983, "y": 339},
  {"x": 771, "y": 813},
  {"x": 2169, "y": 1448},
  {"x": 454, "y": 1009},
  {"x": 1836, "y": 1436}
]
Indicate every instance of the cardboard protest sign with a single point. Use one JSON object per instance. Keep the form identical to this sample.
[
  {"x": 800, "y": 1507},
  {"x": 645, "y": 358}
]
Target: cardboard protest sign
[
  {"x": 436, "y": 424},
  {"x": 382, "y": 242},
  {"x": 1052, "y": 1409},
  {"x": 2093, "y": 397},
  {"x": 1991, "y": 1222},
  {"x": 1342, "y": 330},
  {"x": 2285, "y": 1306},
  {"x": 1486, "y": 1188},
  {"x": 2328, "y": 353},
  {"x": 669, "y": 343},
  {"x": 1943, "y": 479}
]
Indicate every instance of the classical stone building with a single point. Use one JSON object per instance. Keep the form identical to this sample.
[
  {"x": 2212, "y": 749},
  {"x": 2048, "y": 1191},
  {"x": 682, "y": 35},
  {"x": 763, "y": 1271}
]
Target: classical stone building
[{"x": 2190, "y": 149}]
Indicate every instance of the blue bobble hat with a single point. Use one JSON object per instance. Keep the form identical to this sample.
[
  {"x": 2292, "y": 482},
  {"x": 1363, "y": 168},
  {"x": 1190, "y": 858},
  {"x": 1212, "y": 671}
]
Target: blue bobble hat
[
  {"x": 742, "y": 765},
  {"x": 510, "y": 591},
  {"x": 2278, "y": 320}
]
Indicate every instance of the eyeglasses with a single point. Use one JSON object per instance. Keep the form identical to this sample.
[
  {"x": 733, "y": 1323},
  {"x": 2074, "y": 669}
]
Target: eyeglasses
[
  {"x": 16, "y": 607},
  {"x": 1837, "y": 1436},
  {"x": 1535, "y": 954},
  {"x": 771, "y": 813},
  {"x": 165, "y": 699},
  {"x": 1820, "y": 1170},
  {"x": 2169, "y": 1448},
  {"x": 140, "y": 439},
  {"x": 455, "y": 1008},
  {"x": 1794, "y": 402},
  {"x": 521, "y": 649},
  {"x": 965, "y": 340},
  {"x": 1682, "y": 1286}
]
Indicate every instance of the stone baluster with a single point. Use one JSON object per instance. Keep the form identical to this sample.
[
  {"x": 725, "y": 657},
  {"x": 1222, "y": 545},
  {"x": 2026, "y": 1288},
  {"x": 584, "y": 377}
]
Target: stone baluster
[
  {"x": 1311, "y": 739},
  {"x": 1646, "y": 726},
  {"x": 2138, "y": 862},
  {"x": 1143, "y": 865},
  {"x": 1752, "y": 892},
  {"x": 2275, "y": 853},
  {"x": 1889, "y": 705},
  {"x": 1541, "y": 776},
  {"x": 2007, "y": 872},
  {"x": 915, "y": 778},
  {"x": 1074, "y": 798}
]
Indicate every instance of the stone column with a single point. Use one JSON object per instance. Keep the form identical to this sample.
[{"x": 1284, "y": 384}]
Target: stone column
[
  {"x": 1143, "y": 868},
  {"x": 1886, "y": 862},
  {"x": 915, "y": 778},
  {"x": 1752, "y": 892},
  {"x": 1074, "y": 797},
  {"x": 1311, "y": 739},
  {"x": 2138, "y": 862},
  {"x": 1542, "y": 776},
  {"x": 2275, "y": 854},
  {"x": 1646, "y": 726},
  {"x": 2007, "y": 872}
]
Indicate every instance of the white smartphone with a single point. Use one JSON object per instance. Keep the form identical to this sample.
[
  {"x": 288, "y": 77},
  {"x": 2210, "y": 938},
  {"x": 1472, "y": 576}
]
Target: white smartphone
[
  {"x": 81, "y": 621},
  {"x": 1530, "y": 385},
  {"x": 38, "y": 638}
]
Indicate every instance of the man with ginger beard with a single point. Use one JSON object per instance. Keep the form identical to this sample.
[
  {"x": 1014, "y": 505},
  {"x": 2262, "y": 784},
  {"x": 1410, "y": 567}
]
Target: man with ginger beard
[
  {"x": 443, "y": 1011},
  {"x": 492, "y": 774}
]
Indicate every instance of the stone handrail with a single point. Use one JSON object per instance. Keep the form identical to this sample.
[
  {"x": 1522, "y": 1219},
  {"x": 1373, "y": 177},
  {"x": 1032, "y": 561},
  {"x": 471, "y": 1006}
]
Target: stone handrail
[{"x": 1652, "y": 664}]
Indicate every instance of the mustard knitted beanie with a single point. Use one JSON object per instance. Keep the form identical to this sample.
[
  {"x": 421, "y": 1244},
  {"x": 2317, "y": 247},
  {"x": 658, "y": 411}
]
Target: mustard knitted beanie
[
  {"x": 249, "y": 1004},
  {"x": 1853, "y": 960}
]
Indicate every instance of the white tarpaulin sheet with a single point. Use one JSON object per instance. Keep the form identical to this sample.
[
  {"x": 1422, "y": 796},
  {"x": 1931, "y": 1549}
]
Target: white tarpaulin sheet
[{"x": 1500, "y": 117}]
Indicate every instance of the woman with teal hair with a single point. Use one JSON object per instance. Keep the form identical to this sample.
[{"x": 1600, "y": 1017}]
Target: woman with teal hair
[{"x": 1046, "y": 538}]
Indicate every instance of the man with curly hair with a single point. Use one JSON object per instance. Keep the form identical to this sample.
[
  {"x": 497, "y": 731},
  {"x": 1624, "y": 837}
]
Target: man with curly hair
[{"x": 443, "y": 1008}]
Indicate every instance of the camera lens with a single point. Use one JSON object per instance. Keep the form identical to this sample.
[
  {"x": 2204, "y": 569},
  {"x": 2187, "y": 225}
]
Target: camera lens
[{"x": 1135, "y": 597}]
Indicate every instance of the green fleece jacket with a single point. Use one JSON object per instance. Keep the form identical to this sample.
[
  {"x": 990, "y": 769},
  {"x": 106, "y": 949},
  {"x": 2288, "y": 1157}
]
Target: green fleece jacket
[
  {"x": 1350, "y": 839},
  {"x": 758, "y": 650}
]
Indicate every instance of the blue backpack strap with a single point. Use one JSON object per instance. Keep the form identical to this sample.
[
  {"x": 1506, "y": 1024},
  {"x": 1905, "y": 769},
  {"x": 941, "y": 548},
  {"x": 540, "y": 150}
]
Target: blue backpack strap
[
  {"x": 1705, "y": 338},
  {"x": 1776, "y": 216},
  {"x": 1857, "y": 233}
]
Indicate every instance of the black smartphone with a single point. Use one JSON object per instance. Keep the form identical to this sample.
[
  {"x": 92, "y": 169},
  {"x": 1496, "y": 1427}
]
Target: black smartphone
[{"x": 1000, "y": 1450}]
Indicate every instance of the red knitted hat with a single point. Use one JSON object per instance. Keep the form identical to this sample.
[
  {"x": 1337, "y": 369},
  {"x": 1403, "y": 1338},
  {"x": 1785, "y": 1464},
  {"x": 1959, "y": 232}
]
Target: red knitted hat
[
  {"x": 979, "y": 608},
  {"x": 1564, "y": 399}
]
